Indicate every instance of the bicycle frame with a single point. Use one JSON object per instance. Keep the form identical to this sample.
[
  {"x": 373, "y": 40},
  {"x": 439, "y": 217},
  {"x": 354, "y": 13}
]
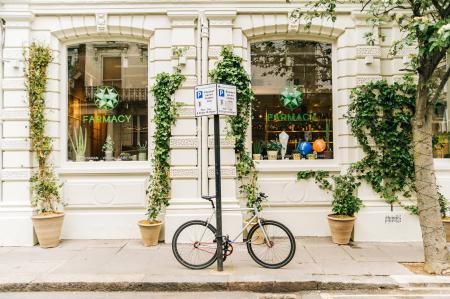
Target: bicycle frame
[{"x": 255, "y": 216}]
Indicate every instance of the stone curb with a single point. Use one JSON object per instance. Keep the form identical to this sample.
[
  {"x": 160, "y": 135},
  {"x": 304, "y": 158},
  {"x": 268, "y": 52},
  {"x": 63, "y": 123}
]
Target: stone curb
[{"x": 266, "y": 286}]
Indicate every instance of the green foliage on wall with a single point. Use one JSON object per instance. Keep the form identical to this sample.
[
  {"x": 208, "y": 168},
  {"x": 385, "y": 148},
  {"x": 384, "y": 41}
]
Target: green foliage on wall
[
  {"x": 229, "y": 70},
  {"x": 44, "y": 185},
  {"x": 380, "y": 117},
  {"x": 165, "y": 113}
]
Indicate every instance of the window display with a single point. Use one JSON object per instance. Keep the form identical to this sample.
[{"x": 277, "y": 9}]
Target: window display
[
  {"x": 292, "y": 112},
  {"x": 441, "y": 120},
  {"x": 107, "y": 101}
]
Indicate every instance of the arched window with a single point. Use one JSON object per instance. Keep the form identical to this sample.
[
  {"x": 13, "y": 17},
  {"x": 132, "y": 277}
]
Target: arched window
[
  {"x": 107, "y": 101},
  {"x": 292, "y": 81}
]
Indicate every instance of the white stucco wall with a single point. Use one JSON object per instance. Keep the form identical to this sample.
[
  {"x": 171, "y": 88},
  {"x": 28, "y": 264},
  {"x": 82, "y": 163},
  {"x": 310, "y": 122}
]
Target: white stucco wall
[{"x": 105, "y": 199}]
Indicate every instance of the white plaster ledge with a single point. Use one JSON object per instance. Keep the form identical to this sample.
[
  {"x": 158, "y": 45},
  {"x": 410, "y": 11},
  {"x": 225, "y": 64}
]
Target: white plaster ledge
[
  {"x": 103, "y": 167},
  {"x": 295, "y": 165}
]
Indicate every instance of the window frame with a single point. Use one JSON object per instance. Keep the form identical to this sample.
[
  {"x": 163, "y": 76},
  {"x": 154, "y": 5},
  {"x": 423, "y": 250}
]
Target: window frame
[
  {"x": 68, "y": 166},
  {"x": 297, "y": 165}
]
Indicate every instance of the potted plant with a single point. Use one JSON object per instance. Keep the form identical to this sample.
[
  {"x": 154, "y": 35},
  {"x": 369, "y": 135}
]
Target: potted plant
[
  {"x": 312, "y": 156},
  {"x": 345, "y": 203},
  {"x": 440, "y": 145},
  {"x": 273, "y": 147},
  {"x": 142, "y": 151},
  {"x": 328, "y": 153},
  {"x": 108, "y": 148},
  {"x": 79, "y": 146},
  {"x": 258, "y": 147},
  {"x": 444, "y": 208},
  {"x": 45, "y": 189}
]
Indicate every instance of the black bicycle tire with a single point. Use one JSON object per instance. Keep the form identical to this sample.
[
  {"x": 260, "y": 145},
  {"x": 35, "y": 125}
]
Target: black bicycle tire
[
  {"x": 175, "y": 250},
  {"x": 262, "y": 263}
]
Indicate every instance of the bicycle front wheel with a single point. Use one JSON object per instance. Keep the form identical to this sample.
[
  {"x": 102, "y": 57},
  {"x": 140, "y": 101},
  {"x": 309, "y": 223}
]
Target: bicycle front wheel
[
  {"x": 273, "y": 248},
  {"x": 194, "y": 244}
]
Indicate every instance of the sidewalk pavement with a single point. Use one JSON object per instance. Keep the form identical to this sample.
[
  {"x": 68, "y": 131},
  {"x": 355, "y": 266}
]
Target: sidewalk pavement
[{"x": 126, "y": 265}]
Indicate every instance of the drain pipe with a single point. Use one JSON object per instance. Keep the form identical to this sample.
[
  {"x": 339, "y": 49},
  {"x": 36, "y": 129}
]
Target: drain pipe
[
  {"x": 198, "y": 45},
  {"x": 2, "y": 45},
  {"x": 204, "y": 127}
]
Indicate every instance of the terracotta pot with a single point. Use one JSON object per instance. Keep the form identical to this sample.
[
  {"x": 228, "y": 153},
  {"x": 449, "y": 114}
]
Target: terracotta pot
[
  {"x": 150, "y": 232},
  {"x": 48, "y": 228},
  {"x": 446, "y": 222},
  {"x": 297, "y": 156},
  {"x": 272, "y": 155},
  {"x": 256, "y": 156},
  {"x": 341, "y": 228},
  {"x": 258, "y": 236}
]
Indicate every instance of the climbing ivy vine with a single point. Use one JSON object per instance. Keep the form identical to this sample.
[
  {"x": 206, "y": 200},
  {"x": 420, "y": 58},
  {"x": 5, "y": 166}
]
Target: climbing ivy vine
[
  {"x": 44, "y": 184},
  {"x": 229, "y": 70},
  {"x": 165, "y": 113},
  {"x": 380, "y": 118}
]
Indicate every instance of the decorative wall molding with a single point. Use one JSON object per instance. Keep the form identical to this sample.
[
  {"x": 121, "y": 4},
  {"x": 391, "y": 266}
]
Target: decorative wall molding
[
  {"x": 361, "y": 80},
  {"x": 14, "y": 114},
  {"x": 214, "y": 52},
  {"x": 225, "y": 171},
  {"x": 225, "y": 142},
  {"x": 15, "y": 144},
  {"x": 184, "y": 142},
  {"x": 364, "y": 51},
  {"x": 101, "y": 21},
  {"x": 218, "y": 18},
  {"x": 184, "y": 172},
  {"x": 15, "y": 174},
  {"x": 182, "y": 18},
  {"x": 186, "y": 112}
]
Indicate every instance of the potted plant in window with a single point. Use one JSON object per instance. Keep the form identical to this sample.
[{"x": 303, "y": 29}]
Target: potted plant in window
[
  {"x": 45, "y": 195},
  {"x": 142, "y": 151},
  {"x": 79, "y": 146},
  {"x": 273, "y": 147},
  {"x": 328, "y": 153},
  {"x": 295, "y": 152},
  {"x": 440, "y": 145},
  {"x": 108, "y": 148},
  {"x": 444, "y": 208},
  {"x": 345, "y": 203},
  {"x": 258, "y": 147}
]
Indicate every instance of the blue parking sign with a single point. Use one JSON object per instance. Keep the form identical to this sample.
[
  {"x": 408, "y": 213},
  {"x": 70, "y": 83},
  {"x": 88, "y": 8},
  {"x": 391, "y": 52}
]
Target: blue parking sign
[
  {"x": 199, "y": 94},
  {"x": 221, "y": 92}
]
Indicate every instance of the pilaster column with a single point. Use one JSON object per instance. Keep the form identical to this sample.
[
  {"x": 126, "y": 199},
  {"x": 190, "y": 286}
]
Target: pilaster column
[
  {"x": 185, "y": 141},
  {"x": 16, "y": 159}
]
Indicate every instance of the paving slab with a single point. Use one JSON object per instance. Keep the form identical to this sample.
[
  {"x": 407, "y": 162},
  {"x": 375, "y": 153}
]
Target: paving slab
[{"x": 126, "y": 265}]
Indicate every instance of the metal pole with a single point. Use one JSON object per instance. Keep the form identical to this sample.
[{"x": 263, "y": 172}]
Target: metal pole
[{"x": 218, "y": 194}]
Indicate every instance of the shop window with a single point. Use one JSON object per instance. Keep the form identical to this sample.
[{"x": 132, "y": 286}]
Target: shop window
[
  {"x": 441, "y": 119},
  {"x": 292, "y": 81},
  {"x": 107, "y": 101}
]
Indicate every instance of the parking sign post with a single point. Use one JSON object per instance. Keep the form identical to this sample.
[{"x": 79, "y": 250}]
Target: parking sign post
[{"x": 216, "y": 99}]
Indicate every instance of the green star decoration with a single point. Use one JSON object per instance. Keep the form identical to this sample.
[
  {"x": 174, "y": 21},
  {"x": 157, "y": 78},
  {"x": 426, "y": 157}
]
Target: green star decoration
[
  {"x": 291, "y": 98},
  {"x": 106, "y": 98}
]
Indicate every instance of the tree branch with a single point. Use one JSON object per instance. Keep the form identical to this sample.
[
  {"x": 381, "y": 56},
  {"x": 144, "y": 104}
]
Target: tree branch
[
  {"x": 441, "y": 86},
  {"x": 439, "y": 8}
]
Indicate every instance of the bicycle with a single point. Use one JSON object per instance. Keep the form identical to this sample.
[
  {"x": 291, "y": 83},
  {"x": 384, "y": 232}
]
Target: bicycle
[{"x": 269, "y": 243}]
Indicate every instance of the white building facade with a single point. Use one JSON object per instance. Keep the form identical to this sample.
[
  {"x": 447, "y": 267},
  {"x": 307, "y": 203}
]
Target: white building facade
[{"x": 124, "y": 45}]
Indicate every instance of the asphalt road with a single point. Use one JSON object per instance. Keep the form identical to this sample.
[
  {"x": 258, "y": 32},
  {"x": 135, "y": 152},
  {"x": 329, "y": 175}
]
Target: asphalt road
[{"x": 438, "y": 293}]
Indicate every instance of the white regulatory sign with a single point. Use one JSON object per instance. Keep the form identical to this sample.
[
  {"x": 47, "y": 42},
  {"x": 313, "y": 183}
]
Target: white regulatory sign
[{"x": 213, "y": 99}]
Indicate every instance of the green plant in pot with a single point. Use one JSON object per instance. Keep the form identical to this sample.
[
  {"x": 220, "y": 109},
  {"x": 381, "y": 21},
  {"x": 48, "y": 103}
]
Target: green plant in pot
[
  {"x": 345, "y": 203},
  {"x": 273, "y": 147},
  {"x": 295, "y": 152},
  {"x": 79, "y": 144},
  {"x": 158, "y": 190},
  {"x": 142, "y": 151},
  {"x": 108, "y": 148},
  {"x": 45, "y": 189},
  {"x": 328, "y": 153},
  {"x": 444, "y": 208},
  {"x": 258, "y": 148}
]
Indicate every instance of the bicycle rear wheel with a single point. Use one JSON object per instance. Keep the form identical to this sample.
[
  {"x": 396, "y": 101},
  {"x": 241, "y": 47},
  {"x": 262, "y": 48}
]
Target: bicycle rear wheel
[
  {"x": 275, "y": 251},
  {"x": 194, "y": 244}
]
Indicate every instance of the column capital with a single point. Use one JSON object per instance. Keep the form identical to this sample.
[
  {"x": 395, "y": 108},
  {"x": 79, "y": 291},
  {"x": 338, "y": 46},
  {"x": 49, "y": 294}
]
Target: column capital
[
  {"x": 182, "y": 18},
  {"x": 221, "y": 18},
  {"x": 21, "y": 16}
]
